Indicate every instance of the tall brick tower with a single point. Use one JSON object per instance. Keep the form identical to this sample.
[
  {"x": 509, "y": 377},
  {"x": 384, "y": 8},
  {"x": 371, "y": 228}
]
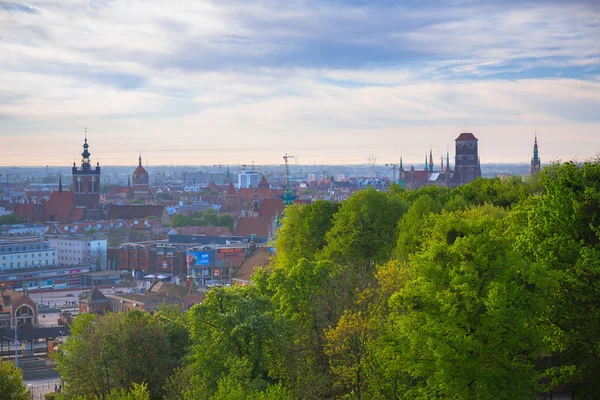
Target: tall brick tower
[
  {"x": 536, "y": 163},
  {"x": 467, "y": 167},
  {"x": 86, "y": 185}
]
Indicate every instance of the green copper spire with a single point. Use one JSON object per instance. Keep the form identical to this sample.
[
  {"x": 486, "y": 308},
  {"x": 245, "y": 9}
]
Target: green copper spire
[
  {"x": 401, "y": 166},
  {"x": 447, "y": 160},
  {"x": 426, "y": 165}
]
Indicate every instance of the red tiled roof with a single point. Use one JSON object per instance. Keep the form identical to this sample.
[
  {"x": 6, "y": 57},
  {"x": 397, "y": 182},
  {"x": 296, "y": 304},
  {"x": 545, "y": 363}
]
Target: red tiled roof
[
  {"x": 231, "y": 190},
  {"x": 466, "y": 136},
  {"x": 59, "y": 206},
  {"x": 420, "y": 175},
  {"x": 77, "y": 214},
  {"x": 140, "y": 170},
  {"x": 258, "y": 226},
  {"x": 118, "y": 190},
  {"x": 263, "y": 184},
  {"x": 260, "y": 258},
  {"x": 248, "y": 194},
  {"x": 270, "y": 207},
  {"x": 25, "y": 210},
  {"x": 132, "y": 211},
  {"x": 204, "y": 230}
]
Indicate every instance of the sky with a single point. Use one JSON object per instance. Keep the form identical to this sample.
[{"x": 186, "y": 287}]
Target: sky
[{"x": 193, "y": 82}]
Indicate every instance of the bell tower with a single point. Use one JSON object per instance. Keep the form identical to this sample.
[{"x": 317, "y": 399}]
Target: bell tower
[
  {"x": 86, "y": 185},
  {"x": 466, "y": 165}
]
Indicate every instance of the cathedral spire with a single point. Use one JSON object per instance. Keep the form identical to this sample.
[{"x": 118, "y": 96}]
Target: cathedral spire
[
  {"x": 401, "y": 166},
  {"x": 535, "y": 160},
  {"x": 140, "y": 159},
  {"x": 447, "y": 160},
  {"x": 430, "y": 160},
  {"x": 60, "y": 182}
]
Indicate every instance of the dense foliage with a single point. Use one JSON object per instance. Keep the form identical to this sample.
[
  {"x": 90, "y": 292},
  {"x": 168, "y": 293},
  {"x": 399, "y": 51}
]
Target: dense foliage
[
  {"x": 207, "y": 217},
  {"x": 10, "y": 219},
  {"x": 490, "y": 290},
  {"x": 11, "y": 382}
]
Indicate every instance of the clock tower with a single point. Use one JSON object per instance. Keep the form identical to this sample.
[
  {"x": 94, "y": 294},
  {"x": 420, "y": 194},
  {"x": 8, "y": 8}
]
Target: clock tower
[{"x": 86, "y": 185}]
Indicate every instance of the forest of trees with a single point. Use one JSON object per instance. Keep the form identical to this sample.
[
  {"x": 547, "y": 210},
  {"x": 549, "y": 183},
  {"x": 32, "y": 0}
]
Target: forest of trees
[
  {"x": 487, "y": 291},
  {"x": 208, "y": 217}
]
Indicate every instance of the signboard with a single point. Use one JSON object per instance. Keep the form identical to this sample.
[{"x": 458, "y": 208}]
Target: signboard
[
  {"x": 217, "y": 272},
  {"x": 197, "y": 258},
  {"x": 231, "y": 250},
  {"x": 164, "y": 264}
]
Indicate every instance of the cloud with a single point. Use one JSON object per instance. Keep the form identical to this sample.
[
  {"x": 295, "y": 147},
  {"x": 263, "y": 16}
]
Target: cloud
[{"x": 328, "y": 75}]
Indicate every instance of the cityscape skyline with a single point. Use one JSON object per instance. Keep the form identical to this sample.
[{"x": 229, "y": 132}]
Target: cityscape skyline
[{"x": 332, "y": 82}]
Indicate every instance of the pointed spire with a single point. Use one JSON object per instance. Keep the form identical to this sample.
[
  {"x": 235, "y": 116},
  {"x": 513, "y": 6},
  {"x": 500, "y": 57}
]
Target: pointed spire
[
  {"x": 60, "y": 182},
  {"x": 255, "y": 203},
  {"x": 140, "y": 159},
  {"x": 447, "y": 160},
  {"x": 442, "y": 164},
  {"x": 401, "y": 166},
  {"x": 277, "y": 220},
  {"x": 128, "y": 181},
  {"x": 426, "y": 165},
  {"x": 430, "y": 160}
]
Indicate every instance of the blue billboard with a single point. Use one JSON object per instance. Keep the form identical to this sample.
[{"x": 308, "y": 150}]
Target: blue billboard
[{"x": 198, "y": 258}]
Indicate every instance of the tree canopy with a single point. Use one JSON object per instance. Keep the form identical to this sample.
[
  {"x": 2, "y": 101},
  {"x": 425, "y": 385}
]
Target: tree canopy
[{"x": 489, "y": 290}]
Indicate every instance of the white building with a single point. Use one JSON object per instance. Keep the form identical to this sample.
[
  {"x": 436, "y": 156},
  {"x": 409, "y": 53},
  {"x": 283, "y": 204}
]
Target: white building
[
  {"x": 80, "y": 251},
  {"x": 248, "y": 179},
  {"x": 22, "y": 255}
]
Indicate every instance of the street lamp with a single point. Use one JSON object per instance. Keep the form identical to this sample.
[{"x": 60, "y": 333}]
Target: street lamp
[
  {"x": 16, "y": 340},
  {"x": 40, "y": 281}
]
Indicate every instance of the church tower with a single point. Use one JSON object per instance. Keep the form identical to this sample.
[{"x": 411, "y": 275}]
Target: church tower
[
  {"x": 86, "y": 185},
  {"x": 466, "y": 164},
  {"x": 141, "y": 184},
  {"x": 535, "y": 160}
]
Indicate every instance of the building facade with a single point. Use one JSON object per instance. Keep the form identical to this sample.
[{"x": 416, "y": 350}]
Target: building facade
[
  {"x": 80, "y": 251},
  {"x": 24, "y": 255},
  {"x": 248, "y": 179},
  {"x": 86, "y": 185},
  {"x": 467, "y": 167}
]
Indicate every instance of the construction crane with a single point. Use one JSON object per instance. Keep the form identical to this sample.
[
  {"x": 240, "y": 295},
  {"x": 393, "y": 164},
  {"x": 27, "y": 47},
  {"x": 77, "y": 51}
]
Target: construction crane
[
  {"x": 287, "y": 197},
  {"x": 220, "y": 166},
  {"x": 7, "y": 183}
]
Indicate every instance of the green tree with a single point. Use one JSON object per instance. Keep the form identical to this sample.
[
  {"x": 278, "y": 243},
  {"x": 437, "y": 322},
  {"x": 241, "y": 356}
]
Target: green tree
[
  {"x": 226, "y": 221},
  {"x": 10, "y": 219},
  {"x": 233, "y": 333},
  {"x": 467, "y": 323},
  {"x": 112, "y": 352},
  {"x": 303, "y": 230},
  {"x": 561, "y": 231},
  {"x": 364, "y": 231},
  {"x": 11, "y": 382}
]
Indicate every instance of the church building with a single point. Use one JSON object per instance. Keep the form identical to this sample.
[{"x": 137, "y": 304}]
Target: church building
[{"x": 141, "y": 182}]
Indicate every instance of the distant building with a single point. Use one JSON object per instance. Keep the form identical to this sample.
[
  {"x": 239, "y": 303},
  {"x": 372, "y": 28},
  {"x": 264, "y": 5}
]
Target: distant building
[
  {"x": 86, "y": 186},
  {"x": 141, "y": 182},
  {"x": 467, "y": 166},
  {"x": 535, "y": 160},
  {"x": 16, "y": 256},
  {"x": 16, "y": 307},
  {"x": 81, "y": 203},
  {"x": 80, "y": 251},
  {"x": 248, "y": 179}
]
